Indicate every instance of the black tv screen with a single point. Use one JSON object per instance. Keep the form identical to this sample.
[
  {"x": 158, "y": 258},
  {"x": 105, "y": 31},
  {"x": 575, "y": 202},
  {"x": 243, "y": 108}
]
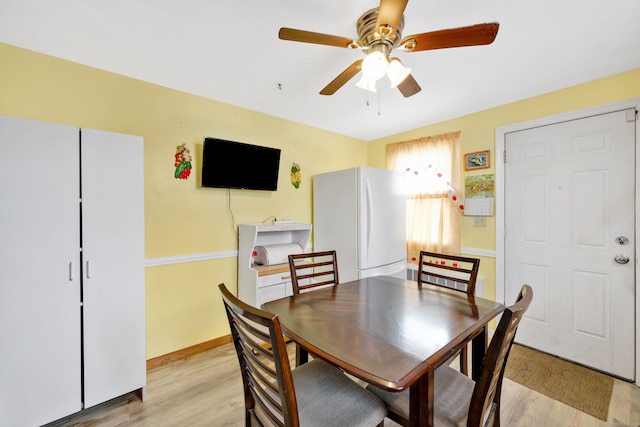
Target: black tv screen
[{"x": 230, "y": 164}]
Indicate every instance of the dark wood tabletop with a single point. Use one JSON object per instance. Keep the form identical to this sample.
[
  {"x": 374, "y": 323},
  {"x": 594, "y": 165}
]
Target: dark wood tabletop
[{"x": 388, "y": 332}]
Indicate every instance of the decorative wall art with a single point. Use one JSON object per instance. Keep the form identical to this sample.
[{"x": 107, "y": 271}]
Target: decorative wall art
[
  {"x": 295, "y": 175},
  {"x": 477, "y": 160},
  {"x": 182, "y": 162}
]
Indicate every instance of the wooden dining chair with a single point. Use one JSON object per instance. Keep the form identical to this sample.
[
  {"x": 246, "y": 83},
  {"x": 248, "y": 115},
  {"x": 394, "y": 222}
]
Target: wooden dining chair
[
  {"x": 310, "y": 271},
  {"x": 314, "y": 394},
  {"x": 453, "y": 272},
  {"x": 458, "y": 400},
  {"x": 313, "y": 270},
  {"x": 450, "y": 271}
]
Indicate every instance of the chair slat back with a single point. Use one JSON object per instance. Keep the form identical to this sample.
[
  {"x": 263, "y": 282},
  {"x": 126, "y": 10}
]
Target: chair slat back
[
  {"x": 312, "y": 270},
  {"x": 450, "y": 271},
  {"x": 485, "y": 401},
  {"x": 266, "y": 374}
]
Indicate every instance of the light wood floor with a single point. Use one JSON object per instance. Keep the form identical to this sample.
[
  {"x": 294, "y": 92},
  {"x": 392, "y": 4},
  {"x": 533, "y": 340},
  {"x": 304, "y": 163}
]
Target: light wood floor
[{"x": 206, "y": 390}]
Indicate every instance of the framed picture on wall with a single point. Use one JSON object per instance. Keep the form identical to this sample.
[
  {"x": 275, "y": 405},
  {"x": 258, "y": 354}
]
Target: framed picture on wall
[{"x": 477, "y": 160}]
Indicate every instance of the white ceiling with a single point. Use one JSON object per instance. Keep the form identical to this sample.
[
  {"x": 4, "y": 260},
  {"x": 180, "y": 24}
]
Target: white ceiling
[{"x": 229, "y": 51}]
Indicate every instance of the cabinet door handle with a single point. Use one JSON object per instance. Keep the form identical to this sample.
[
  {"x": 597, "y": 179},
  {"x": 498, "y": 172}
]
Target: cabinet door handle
[
  {"x": 88, "y": 269},
  {"x": 285, "y": 277},
  {"x": 71, "y": 271}
]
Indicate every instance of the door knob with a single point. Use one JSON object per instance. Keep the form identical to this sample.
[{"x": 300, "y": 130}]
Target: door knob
[{"x": 621, "y": 259}]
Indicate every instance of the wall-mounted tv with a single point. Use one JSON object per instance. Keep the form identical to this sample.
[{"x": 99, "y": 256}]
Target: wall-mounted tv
[{"x": 230, "y": 164}]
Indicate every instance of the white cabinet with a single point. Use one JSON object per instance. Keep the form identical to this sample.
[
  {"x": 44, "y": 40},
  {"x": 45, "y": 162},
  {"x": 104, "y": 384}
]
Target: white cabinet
[
  {"x": 72, "y": 315},
  {"x": 259, "y": 284},
  {"x": 113, "y": 260}
]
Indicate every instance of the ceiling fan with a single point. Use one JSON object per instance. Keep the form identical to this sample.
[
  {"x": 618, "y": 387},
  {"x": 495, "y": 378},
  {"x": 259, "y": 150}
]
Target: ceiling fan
[{"x": 379, "y": 32}]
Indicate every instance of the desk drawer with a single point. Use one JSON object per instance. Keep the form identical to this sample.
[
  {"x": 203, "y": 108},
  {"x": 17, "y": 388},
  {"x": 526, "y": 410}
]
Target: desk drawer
[{"x": 272, "y": 279}]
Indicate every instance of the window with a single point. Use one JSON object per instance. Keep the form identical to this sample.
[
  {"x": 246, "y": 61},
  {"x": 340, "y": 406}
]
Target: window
[{"x": 432, "y": 170}]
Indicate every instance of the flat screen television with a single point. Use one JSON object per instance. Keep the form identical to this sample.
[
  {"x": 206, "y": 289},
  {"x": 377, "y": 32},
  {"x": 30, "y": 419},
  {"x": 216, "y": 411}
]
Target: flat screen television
[{"x": 230, "y": 164}]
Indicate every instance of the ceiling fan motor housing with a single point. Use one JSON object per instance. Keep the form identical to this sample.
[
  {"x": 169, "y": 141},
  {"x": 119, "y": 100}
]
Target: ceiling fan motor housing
[{"x": 371, "y": 39}]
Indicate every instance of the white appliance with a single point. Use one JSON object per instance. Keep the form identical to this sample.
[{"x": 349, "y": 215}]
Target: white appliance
[{"x": 361, "y": 213}]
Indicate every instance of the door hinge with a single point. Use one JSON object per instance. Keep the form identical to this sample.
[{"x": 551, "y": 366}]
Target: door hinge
[
  {"x": 504, "y": 156},
  {"x": 632, "y": 115}
]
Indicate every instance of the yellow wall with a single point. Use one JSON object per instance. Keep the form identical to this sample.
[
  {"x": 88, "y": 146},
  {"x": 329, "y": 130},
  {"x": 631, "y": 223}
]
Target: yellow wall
[
  {"x": 183, "y": 305},
  {"x": 183, "y": 302},
  {"x": 478, "y": 134}
]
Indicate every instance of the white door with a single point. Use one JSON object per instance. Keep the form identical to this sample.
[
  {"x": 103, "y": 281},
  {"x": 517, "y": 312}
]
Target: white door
[
  {"x": 39, "y": 272},
  {"x": 569, "y": 227},
  {"x": 113, "y": 265}
]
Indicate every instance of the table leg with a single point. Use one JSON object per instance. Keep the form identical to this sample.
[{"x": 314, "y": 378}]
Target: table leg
[
  {"x": 421, "y": 401},
  {"x": 478, "y": 350},
  {"x": 302, "y": 355}
]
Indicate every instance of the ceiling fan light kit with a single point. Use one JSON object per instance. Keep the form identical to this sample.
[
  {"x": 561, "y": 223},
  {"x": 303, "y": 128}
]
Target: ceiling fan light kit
[
  {"x": 375, "y": 65},
  {"x": 379, "y": 32},
  {"x": 367, "y": 83},
  {"x": 397, "y": 72}
]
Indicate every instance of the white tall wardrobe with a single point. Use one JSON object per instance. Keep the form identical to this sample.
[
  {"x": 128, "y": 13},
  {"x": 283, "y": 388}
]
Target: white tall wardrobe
[{"x": 72, "y": 312}]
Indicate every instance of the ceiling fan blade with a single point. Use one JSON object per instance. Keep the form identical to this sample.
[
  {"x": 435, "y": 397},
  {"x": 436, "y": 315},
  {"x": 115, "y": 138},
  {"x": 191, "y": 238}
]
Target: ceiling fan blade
[
  {"x": 474, "y": 35},
  {"x": 389, "y": 14},
  {"x": 316, "y": 38},
  {"x": 342, "y": 78},
  {"x": 409, "y": 86}
]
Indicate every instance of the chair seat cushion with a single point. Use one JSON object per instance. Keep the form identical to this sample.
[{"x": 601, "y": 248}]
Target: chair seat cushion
[
  {"x": 326, "y": 397},
  {"x": 451, "y": 395}
]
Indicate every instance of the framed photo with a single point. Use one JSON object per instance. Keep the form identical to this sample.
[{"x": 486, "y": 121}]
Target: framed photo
[{"x": 477, "y": 160}]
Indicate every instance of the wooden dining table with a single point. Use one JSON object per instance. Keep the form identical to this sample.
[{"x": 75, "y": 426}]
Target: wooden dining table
[{"x": 388, "y": 332}]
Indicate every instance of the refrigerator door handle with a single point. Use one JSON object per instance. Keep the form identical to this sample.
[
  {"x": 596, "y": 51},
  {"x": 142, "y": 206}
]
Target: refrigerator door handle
[{"x": 369, "y": 215}]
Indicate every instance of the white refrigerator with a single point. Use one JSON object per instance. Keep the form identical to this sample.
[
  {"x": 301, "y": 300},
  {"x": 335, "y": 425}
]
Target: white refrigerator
[{"x": 361, "y": 213}]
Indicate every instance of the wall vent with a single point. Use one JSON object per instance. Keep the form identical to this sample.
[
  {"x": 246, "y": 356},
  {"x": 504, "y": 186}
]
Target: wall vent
[{"x": 412, "y": 272}]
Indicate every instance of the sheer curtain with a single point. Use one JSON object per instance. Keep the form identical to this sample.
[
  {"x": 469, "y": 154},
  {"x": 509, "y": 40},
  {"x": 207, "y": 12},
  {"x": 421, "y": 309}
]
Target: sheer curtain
[{"x": 432, "y": 172}]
